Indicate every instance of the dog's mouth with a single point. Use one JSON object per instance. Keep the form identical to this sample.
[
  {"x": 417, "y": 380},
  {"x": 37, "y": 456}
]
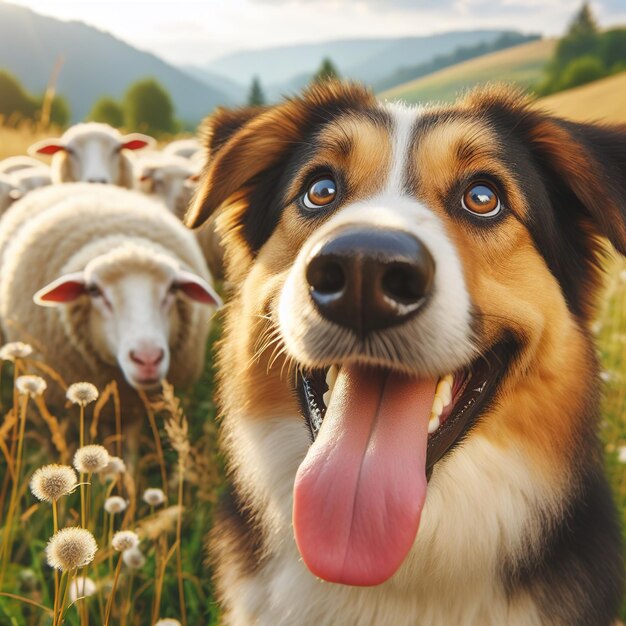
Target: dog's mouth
[{"x": 377, "y": 433}]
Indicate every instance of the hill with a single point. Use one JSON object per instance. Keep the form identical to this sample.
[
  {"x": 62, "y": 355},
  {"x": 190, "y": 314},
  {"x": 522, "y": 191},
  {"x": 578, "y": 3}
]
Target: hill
[
  {"x": 368, "y": 60},
  {"x": 522, "y": 64},
  {"x": 603, "y": 100},
  {"x": 94, "y": 64}
]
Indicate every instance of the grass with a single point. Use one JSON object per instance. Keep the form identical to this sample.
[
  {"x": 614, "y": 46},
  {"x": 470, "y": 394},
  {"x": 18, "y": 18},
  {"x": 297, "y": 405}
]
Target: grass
[{"x": 522, "y": 65}]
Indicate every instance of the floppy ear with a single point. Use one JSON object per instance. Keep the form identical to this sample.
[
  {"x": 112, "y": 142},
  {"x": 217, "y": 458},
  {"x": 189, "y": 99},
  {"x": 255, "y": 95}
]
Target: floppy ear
[
  {"x": 137, "y": 141},
  {"x": 197, "y": 289},
  {"x": 46, "y": 146},
  {"x": 244, "y": 145},
  {"x": 64, "y": 289},
  {"x": 590, "y": 162}
]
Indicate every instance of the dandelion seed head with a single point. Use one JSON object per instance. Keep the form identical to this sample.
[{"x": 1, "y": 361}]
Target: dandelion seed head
[
  {"x": 91, "y": 459},
  {"x": 621, "y": 454},
  {"x": 82, "y": 587},
  {"x": 30, "y": 385},
  {"x": 153, "y": 496},
  {"x": 124, "y": 540},
  {"x": 50, "y": 482},
  {"x": 133, "y": 558},
  {"x": 15, "y": 350},
  {"x": 115, "y": 504},
  {"x": 114, "y": 468},
  {"x": 168, "y": 621},
  {"x": 71, "y": 548},
  {"x": 82, "y": 393}
]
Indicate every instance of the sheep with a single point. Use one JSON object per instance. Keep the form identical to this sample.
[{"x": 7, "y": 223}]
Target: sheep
[
  {"x": 92, "y": 153},
  {"x": 13, "y": 164},
  {"x": 167, "y": 177},
  {"x": 9, "y": 192},
  {"x": 108, "y": 285},
  {"x": 31, "y": 178},
  {"x": 185, "y": 148}
]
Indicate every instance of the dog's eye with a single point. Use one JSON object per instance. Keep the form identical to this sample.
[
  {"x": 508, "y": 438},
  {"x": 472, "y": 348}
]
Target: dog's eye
[
  {"x": 321, "y": 192},
  {"x": 481, "y": 199},
  {"x": 93, "y": 291}
]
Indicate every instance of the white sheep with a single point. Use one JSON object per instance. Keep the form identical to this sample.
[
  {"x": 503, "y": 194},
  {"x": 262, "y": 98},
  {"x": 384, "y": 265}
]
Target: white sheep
[
  {"x": 9, "y": 192},
  {"x": 31, "y": 178},
  {"x": 168, "y": 177},
  {"x": 107, "y": 284},
  {"x": 185, "y": 148},
  {"x": 14, "y": 164},
  {"x": 92, "y": 153}
]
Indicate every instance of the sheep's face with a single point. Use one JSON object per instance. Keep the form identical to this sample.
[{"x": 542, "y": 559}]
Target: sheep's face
[
  {"x": 173, "y": 184},
  {"x": 133, "y": 319}
]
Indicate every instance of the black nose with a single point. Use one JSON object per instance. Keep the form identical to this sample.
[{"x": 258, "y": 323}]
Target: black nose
[
  {"x": 367, "y": 279},
  {"x": 100, "y": 181}
]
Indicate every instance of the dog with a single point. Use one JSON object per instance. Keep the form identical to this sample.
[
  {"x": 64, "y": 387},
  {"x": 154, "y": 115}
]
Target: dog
[{"x": 408, "y": 383}]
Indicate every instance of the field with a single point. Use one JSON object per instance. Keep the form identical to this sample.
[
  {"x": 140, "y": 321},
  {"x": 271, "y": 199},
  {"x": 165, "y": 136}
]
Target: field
[
  {"x": 522, "y": 65},
  {"x": 174, "y": 581}
]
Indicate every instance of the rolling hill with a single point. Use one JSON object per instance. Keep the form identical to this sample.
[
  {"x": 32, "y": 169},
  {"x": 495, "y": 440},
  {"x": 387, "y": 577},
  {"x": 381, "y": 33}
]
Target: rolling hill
[
  {"x": 94, "y": 64},
  {"x": 603, "y": 100},
  {"x": 522, "y": 64}
]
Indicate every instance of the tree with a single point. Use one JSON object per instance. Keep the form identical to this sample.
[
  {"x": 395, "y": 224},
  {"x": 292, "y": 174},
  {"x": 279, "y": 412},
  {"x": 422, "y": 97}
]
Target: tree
[
  {"x": 583, "y": 70},
  {"x": 60, "y": 111},
  {"x": 148, "y": 108},
  {"x": 256, "y": 97},
  {"x": 581, "y": 39},
  {"x": 613, "y": 49},
  {"x": 107, "y": 111},
  {"x": 14, "y": 100},
  {"x": 326, "y": 71}
]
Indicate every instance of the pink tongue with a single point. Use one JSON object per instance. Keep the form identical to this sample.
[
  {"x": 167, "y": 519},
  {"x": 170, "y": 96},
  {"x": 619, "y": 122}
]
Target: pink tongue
[{"x": 360, "y": 490}]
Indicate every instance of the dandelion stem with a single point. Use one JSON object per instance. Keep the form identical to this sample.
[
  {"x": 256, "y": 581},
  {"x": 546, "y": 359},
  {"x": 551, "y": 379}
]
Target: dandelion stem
[
  {"x": 107, "y": 613},
  {"x": 179, "y": 559},
  {"x": 55, "y": 524},
  {"x": 157, "y": 438}
]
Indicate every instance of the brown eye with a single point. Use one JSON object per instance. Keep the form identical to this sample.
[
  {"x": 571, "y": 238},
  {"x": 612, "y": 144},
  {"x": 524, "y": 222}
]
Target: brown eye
[
  {"x": 321, "y": 192},
  {"x": 481, "y": 199}
]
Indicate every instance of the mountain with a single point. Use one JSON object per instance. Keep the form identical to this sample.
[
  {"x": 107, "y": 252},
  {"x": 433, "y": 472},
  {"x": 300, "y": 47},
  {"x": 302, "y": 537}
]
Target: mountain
[
  {"x": 368, "y": 60},
  {"x": 94, "y": 64}
]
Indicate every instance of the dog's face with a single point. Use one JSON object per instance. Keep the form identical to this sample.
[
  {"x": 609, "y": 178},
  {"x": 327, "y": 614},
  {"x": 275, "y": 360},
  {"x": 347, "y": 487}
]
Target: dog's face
[{"x": 414, "y": 266}]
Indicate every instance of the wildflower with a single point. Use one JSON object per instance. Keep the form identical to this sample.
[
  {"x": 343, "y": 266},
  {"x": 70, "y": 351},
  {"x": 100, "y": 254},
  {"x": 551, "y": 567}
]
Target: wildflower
[
  {"x": 91, "y": 459},
  {"x": 71, "y": 548},
  {"x": 30, "y": 385},
  {"x": 114, "y": 468},
  {"x": 124, "y": 540},
  {"x": 115, "y": 504},
  {"x": 133, "y": 558},
  {"x": 50, "y": 482},
  {"x": 153, "y": 496},
  {"x": 621, "y": 454},
  {"x": 605, "y": 376},
  {"x": 168, "y": 621},
  {"x": 82, "y": 393},
  {"x": 15, "y": 350},
  {"x": 82, "y": 587}
]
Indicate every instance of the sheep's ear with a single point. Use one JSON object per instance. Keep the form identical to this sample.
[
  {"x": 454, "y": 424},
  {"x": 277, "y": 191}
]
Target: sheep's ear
[
  {"x": 47, "y": 147},
  {"x": 137, "y": 141},
  {"x": 66, "y": 288},
  {"x": 197, "y": 289}
]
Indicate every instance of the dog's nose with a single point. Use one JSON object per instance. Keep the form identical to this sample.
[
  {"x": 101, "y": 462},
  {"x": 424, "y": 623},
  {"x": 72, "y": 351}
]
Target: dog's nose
[{"x": 366, "y": 279}]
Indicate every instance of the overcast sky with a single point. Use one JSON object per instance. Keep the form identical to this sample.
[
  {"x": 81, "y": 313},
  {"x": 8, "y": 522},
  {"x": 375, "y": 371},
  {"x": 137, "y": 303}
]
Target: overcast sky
[{"x": 187, "y": 31}]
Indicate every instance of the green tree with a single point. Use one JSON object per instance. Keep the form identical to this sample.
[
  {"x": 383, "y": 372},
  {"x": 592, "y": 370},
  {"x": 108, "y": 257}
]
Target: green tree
[
  {"x": 60, "y": 111},
  {"x": 107, "y": 111},
  {"x": 581, "y": 71},
  {"x": 326, "y": 71},
  {"x": 613, "y": 49},
  {"x": 581, "y": 39},
  {"x": 148, "y": 108},
  {"x": 14, "y": 100},
  {"x": 256, "y": 97}
]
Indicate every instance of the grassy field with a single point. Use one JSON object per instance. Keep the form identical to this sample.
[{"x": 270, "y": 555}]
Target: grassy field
[
  {"x": 522, "y": 65},
  {"x": 153, "y": 590}
]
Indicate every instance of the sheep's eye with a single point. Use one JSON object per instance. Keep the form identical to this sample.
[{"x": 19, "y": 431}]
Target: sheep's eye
[
  {"x": 93, "y": 291},
  {"x": 321, "y": 192},
  {"x": 481, "y": 199}
]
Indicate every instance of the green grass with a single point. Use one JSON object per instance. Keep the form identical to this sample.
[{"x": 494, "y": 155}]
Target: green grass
[{"x": 522, "y": 65}]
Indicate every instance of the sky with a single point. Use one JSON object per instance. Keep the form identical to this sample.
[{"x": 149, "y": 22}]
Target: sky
[{"x": 194, "y": 32}]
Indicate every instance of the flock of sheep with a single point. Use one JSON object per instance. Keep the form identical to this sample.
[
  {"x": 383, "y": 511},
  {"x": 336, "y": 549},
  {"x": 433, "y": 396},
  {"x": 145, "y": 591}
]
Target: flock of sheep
[{"x": 97, "y": 271}]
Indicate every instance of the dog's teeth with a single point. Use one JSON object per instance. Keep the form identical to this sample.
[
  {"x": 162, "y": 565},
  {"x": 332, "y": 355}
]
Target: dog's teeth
[
  {"x": 433, "y": 423},
  {"x": 331, "y": 379},
  {"x": 437, "y": 407},
  {"x": 326, "y": 398},
  {"x": 444, "y": 390}
]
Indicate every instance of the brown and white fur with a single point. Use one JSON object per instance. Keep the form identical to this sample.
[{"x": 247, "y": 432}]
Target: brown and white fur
[{"x": 518, "y": 527}]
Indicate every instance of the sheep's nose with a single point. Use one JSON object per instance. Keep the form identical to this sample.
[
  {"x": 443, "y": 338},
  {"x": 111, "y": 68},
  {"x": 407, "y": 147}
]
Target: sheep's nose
[
  {"x": 369, "y": 279},
  {"x": 101, "y": 181},
  {"x": 147, "y": 357}
]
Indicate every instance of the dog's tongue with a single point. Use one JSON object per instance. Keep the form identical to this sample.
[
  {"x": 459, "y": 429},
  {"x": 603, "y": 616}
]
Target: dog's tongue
[{"x": 360, "y": 490}]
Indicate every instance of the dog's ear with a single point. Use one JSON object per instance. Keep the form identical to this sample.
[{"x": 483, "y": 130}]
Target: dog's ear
[
  {"x": 245, "y": 144},
  {"x": 588, "y": 163}
]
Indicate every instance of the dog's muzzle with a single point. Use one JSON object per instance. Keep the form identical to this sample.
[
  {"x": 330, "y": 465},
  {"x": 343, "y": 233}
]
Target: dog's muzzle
[{"x": 368, "y": 279}]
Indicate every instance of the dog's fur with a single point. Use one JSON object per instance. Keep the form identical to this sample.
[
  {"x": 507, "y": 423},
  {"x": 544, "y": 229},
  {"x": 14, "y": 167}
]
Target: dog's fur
[{"x": 518, "y": 526}]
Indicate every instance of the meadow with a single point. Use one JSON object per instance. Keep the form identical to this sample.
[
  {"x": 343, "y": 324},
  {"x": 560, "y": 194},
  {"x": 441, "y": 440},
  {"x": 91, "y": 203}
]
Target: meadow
[{"x": 177, "y": 453}]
